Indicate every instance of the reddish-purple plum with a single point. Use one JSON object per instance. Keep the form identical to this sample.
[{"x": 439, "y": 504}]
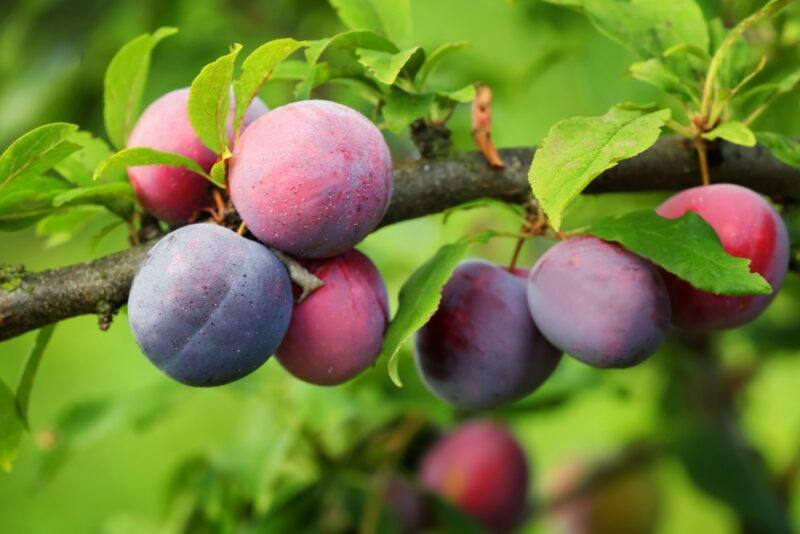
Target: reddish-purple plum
[
  {"x": 748, "y": 227},
  {"x": 598, "y": 302},
  {"x": 175, "y": 194},
  {"x": 480, "y": 468},
  {"x": 207, "y": 306},
  {"x": 481, "y": 348},
  {"x": 311, "y": 178},
  {"x": 338, "y": 330}
]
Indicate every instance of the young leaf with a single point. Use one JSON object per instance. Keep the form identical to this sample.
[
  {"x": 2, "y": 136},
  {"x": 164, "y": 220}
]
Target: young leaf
[
  {"x": 436, "y": 57},
  {"x": 386, "y": 67},
  {"x": 578, "y": 150},
  {"x": 117, "y": 197},
  {"x": 137, "y": 156},
  {"x": 389, "y": 17},
  {"x": 61, "y": 226},
  {"x": 124, "y": 84},
  {"x": 656, "y": 73},
  {"x": 419, "y": 297},
  {"x": 687, "y": 247},
  {"x": 256, "y": 69},
  {"x": 11, "y": 427},
  {"x": 210, "y": 101},
  {"x": 25, "y": 201},
  {"x": 349, "y": 40},
  {"x": 219, "y": 172},
  {"x": 734, "y": 132},
  {"x": 463, "y": 95},
  {"x": 29, "y": 371},
  {"x": 401, "y": 108},
  {"x": 782, "y": 147},
  {"x": 649, "y": 27},
  {"x": 79, "y": 166},
  {"x": 36, "y": 152}
]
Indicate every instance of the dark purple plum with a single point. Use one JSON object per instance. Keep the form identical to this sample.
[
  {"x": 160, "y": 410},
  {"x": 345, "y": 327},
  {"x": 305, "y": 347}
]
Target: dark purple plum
[
  {"x": 598, "y": 302},
  {"x": 481, "y": 348},
  {"x": 311, "y": 178},
  {"x": 480, "y": 468},
  {"x": 207, "y": 306},
  {"x": 174, "y": 194},
  {"x": 748, "y": 227},
  {"x": 338, "y": 330}
]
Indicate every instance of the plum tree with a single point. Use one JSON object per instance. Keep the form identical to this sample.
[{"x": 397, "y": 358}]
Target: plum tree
[
  {"x": 338, "y": 330},
  {"x": 311, "y": 178},
  {"x": 629, "y": 502},
  {"x": 748, "y": 227},
  {"x": 598, "y": 302},
  {"x": 480, "y": 468},
  {"x": 174, "y": 194},
  {"x": 481, "y": 348},
  {"x": 208, "y": 307}
]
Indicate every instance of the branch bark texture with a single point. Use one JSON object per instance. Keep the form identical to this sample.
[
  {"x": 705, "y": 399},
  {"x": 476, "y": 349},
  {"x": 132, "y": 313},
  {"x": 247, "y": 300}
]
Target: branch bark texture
[{"x": 421, "y": 188}]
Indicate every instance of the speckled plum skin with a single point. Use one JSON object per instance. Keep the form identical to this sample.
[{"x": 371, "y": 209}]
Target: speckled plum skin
[
  {"x": 174, "y": 194},
  {"x": 598, "y": 302},
  {"x": 748, "y": 227},
  {"x": 209, "y": 307},
  {"x": 311, "y": 178},
  {"x": 482, "y": 469},
  {"x": 481, "y": 349},
  {"x": 338, "y": 330}
]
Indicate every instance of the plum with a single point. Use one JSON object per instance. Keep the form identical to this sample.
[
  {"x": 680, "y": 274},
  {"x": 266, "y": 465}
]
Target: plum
[
  {"x": 480, "y": 468},
  {"x": 599, "y": 302},
  {"x": 207, "y": 306},
  {"x": 481, "y": 348},
  {"x": 311, "y": 178},
  {"x": 338, "y": 330},
  {"x": 748, "y": 227},
  {"x": 174, "y": 194}
]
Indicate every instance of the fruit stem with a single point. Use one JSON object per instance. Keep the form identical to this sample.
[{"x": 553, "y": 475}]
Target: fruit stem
[
  {"x": 702, "y": 154},
  {"x": 515, "y": 256},
  {"x": 242, "y": 229}
]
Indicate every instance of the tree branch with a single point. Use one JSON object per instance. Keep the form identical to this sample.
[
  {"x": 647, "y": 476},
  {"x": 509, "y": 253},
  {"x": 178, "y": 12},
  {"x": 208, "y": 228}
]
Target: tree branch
[{"x": 421, "y": 188}]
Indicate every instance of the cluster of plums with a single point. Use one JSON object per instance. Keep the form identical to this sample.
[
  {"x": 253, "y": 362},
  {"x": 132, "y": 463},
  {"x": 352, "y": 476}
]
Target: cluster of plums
[
  {"x": 498, "y": 334},
  {"x": 209, "y": 306}
]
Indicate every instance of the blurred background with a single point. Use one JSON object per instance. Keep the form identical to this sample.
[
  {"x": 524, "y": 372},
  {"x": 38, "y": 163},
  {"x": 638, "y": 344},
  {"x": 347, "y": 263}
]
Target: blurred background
[{"x": 117, "y": 447}]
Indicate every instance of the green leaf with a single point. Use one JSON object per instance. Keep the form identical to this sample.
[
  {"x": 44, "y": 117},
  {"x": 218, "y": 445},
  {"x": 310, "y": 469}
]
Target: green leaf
[
  {"x": 36, "y": 152},
  {"x": 578, "y": 150},
  {"x": 25, "y": 383},
  {"x": 117, "y": 197},
  {"x": 656, "y": 73},
  {"x": 649, "y": 27},
  {"x": 734, "y": 132},
  {"x": 401, "y": 108},
  {"x": 386, "y": 67},
  {"x": 25, "y": 201},
  {"x": 782, "y": 147},
  {"x": 389, "y": 17},
  {"x": 419, "y": 297},
  {"x": 78, "y": 168},
  {"x": 210, "y": 101},
  {"x": 61, "y": 226},
  {"x": 124, "y": 84},
  {"x": 463, "y": 95},
  {"x": 688, "y": 247},
  {"x": 349, "y": 41},
  {"x": 138, "y": 156},
  {"x": 11, "y": 427},
  {"x": 256, "y": 69},
  {"x": 436, "y": 57},
  {"x": 219, "y": 172}
]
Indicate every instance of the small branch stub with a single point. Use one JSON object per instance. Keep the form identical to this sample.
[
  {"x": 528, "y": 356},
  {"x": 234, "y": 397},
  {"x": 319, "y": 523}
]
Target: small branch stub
[
  {"x": 299, "y": 275},
  {"x": 482, "y": 126}
]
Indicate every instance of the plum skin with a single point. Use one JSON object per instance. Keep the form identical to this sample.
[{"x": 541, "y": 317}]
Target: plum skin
[
  {"x": 207, "y": 306},
  {"x": 481, "y": 349},
  {"x": 748, "y": 227},
  {"x": 337, "y": 331},
  {"x": 311, "y": 178},
  {"x": 174, "y": 194},
  {"x": 480, "y": 468},
  {"x": 598, "y": 302}
]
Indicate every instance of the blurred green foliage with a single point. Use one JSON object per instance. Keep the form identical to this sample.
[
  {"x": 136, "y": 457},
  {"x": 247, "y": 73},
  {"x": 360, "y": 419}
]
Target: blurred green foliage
[{"x": 135, "y": 449}]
